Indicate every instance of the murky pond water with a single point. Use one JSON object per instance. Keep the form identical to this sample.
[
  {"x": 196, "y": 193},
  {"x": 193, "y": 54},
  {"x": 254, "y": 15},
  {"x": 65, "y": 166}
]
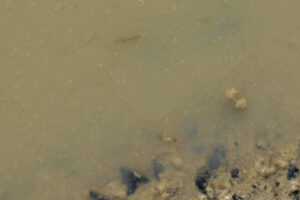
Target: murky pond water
[{"x": 87, "y": 87}]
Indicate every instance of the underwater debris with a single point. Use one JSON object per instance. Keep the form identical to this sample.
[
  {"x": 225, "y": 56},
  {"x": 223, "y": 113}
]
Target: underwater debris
[
  {"x": 169, "y": 139},
  {"x": 132, "y": 180},
  {"x": 128, "y": 38}
]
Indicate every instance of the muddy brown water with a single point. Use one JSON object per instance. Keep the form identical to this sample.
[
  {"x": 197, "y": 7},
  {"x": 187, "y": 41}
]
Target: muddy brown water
[{"x": 89, "y": 86}]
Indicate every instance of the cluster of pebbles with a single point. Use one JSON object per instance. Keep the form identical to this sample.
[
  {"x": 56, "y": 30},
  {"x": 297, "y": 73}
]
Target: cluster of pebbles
[
  {"x": 266, "y": 179},
  {"x": 233, "y": 95},
  {"x": 272, "y": 174}
]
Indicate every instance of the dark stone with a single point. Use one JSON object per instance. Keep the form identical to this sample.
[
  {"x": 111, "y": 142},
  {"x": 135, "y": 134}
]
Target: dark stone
[
  {"x": 190, "y": 129},
  {"x": 132, "y": 180},
  {"x": 277, "y": 183},
  {"x": 214, "y": 161},
  {"x": 236, "y": 197},
  {"x": 292, "y": 172},
  {"x": 97, "y": 196},
  {"x": 157, "y": 169},
  {"x": 254, "y": 186},
  {"x": 201, "y": 180},
  {"x": 295, "y": 192},
  {"x": 265, "y": 187},
  {"x": 234, "y": 173}
]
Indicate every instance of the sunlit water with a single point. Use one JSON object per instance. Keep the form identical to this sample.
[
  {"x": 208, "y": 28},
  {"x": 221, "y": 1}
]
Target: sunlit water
[{"x": 89, "y": 86}]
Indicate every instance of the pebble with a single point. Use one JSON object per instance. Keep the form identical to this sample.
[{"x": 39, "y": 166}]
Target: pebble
[
  {"x": 292, "y": 172},
  {"x": 277, "y": 184},
  {"x": 132, "y": 180},
  {"x": 236, "y": 197},
  {"x": 201, "y": 180},
  {"x": 224, "y": 195},
  {"x": 281, "y": 163},
  {"x": 234, "y": 173},
  {"x": 231, "y": 94},
  {"x": 241, "y": 103},
  {"x": 267, "y": 170},
  {"x": 295, "y": 187},
  {"x": 264, "y": 170}
]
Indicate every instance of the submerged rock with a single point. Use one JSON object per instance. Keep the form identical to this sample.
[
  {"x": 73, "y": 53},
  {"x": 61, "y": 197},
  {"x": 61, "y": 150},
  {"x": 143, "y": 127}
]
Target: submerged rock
[
  {"x": 201, "y": 180},
  {"x": 234, "y": 173},
  {"x": 236, "y": 197},
  {"x": 132, "y": 180}
]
